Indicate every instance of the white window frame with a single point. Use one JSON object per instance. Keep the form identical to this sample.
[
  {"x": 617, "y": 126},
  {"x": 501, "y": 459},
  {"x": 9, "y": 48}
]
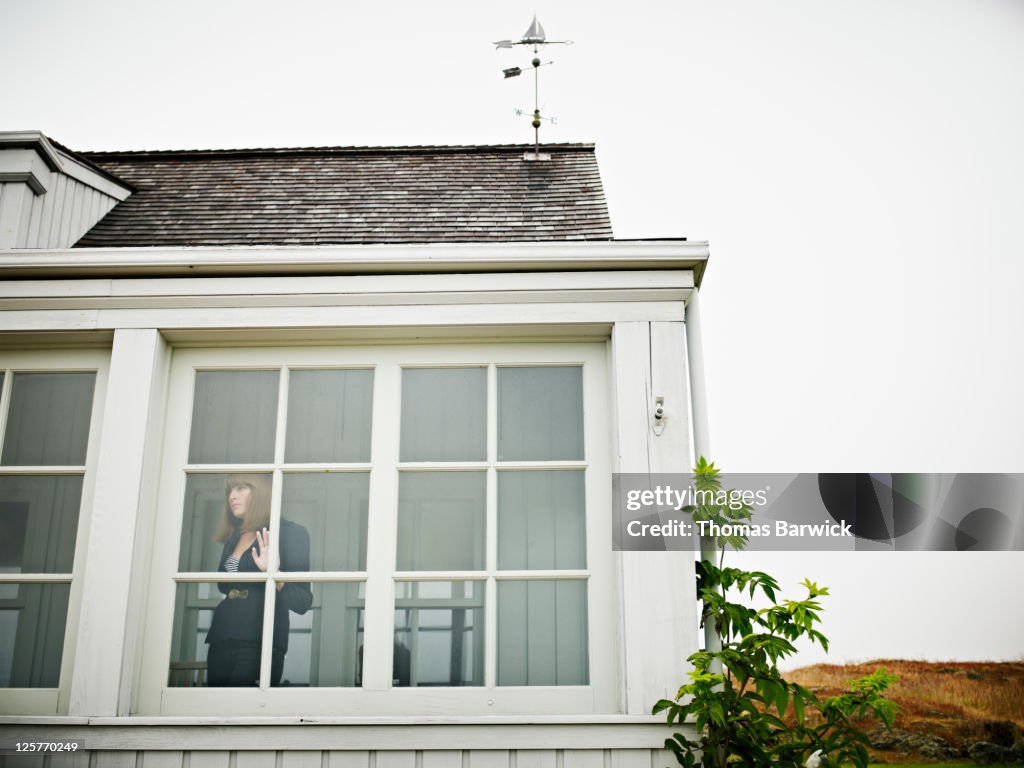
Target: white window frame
[
  {"x": 376, "y": 696},
  {"x": 45, "y": 701}
]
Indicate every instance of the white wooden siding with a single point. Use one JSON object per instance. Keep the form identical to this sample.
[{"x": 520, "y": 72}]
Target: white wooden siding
[
  {"x": 56, "y": 219},
  {"x": 569, "y": 742},
  {"x": 659, "y": 622},
  {"x": 59, "y": 218},
  {"x": 49, "y": 199},
  {"x": 454, "y": 758}
]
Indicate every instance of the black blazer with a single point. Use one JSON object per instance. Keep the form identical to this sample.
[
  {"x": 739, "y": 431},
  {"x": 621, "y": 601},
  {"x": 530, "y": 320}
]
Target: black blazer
[{"x": 242, "y": 618}]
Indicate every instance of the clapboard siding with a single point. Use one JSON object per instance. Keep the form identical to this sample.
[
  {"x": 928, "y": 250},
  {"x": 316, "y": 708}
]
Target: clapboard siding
[
  {"x": 412, "y": 745},
  {"x": 61, "y": 216},
  {"x": 58, "y": 218}
]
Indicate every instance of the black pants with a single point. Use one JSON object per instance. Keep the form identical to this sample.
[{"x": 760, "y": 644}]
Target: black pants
[{"x": 236, "y": 663}]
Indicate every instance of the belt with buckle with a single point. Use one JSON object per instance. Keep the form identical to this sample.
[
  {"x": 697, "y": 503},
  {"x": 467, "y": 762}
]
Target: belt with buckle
[{"x": 238, "y": 594}]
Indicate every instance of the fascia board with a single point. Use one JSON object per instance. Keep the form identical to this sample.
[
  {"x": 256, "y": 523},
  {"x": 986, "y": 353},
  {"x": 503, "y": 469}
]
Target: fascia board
[
  {"x": 89, "y": 177},
  {"x": 357, "y": 259}
]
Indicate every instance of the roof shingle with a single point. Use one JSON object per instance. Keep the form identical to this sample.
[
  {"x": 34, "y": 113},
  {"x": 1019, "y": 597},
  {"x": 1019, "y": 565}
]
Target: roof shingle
[{"x": 338, "y": 195}]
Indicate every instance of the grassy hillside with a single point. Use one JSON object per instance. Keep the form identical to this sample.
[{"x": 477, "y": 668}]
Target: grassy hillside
[{"x": 947, "y": 707}]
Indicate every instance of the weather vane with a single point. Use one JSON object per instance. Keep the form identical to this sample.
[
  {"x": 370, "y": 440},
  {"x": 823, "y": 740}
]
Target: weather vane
[{"x": 534, "y": 36}]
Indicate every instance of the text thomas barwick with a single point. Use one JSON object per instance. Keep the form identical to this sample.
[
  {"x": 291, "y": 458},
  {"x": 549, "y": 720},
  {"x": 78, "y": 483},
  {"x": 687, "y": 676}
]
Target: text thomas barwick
[{"x": 709, "y": 528}]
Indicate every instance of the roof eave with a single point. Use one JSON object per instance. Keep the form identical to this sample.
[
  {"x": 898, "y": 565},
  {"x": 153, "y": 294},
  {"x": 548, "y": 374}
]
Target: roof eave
[{"x": 358, "y": 259}]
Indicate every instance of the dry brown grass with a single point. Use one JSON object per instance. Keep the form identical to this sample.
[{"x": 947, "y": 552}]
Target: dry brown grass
[
  {"x": 982, "y": 690},
  {"x": 959, "y": 702}
]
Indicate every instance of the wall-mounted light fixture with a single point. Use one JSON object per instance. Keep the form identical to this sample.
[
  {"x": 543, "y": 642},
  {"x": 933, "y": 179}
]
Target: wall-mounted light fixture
[{"x": 658, "y": 417}]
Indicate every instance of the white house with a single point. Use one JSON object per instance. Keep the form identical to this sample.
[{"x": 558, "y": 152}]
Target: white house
[{"x": 436, "y": 358}]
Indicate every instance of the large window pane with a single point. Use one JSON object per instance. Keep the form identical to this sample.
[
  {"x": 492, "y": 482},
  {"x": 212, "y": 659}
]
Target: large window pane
[
  {"x": 48, "y": 419},
  {"x": 329, "y": 416},
  {"x": 217, "y": 633},
  {"x": 439, "y": 633},
  {"x": 540, "y": 413},
  {"x": 208, "y": 523},
  {"x": 39, "y": 522},
  {"x": 32, "y": 623},
  {"x": 541, "y": 520},
  {"x": 444, "y": 414},
  {"x": 234, "y": 417},
  {"x": 333, "y": 508},
  {"x": 441, "y": 521},
  {"x": 325, "y": 645},
  {"x": 542, "y": 633}
]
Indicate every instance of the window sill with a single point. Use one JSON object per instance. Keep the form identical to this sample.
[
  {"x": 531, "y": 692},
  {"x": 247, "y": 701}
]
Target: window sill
[{"x": 403, "y": 721}]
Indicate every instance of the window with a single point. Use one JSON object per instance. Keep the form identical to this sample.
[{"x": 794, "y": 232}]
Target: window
[
  {"x": 46, "y": 417},
  {"x": 321, "y": 468},
  {"x": 437, "y": 525}
]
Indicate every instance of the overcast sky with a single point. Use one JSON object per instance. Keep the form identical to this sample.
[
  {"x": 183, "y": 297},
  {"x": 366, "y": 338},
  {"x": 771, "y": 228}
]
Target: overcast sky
[{"x": 857, "y": 166}]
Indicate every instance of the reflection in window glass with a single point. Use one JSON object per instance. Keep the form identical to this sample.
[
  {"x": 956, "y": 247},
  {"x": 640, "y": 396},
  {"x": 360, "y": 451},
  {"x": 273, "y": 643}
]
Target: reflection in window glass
[
  {"x": 444, "y": 414},
  {"x": 333, "y": 507},
  {"x": 541, "y": 520},
  {"x": 234, "y": 417},
  {"x": 48, "y": 419},
  {"x": 39, "y": 522},
  {"x": 439, "y": 633},
  {"x": 540, "y": 413},
  {"x": 542, "y": 632},
  {"x": 441, "y": 521},
  {"x": 193, "y": 610},
  {"x": 325, "y": 645},
  {"x": 32, "y": 624},
  {"x": 208, "y": 522},
  {"x": 329, "y": 415}
]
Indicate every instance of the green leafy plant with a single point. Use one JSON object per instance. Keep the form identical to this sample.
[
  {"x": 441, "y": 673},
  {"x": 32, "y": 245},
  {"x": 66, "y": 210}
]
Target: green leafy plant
[{"x": 744, "y": 711}]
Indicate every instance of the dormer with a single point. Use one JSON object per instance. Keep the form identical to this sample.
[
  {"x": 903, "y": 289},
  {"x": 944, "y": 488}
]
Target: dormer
[{"x": 50, "y": 197}]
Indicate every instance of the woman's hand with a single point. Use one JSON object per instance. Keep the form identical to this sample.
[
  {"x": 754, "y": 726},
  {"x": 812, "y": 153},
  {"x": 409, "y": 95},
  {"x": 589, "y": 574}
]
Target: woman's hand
[{"x": 261, "y": 552}]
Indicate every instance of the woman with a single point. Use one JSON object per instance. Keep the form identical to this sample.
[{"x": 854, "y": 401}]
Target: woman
[{"x": 235, "y": 633}]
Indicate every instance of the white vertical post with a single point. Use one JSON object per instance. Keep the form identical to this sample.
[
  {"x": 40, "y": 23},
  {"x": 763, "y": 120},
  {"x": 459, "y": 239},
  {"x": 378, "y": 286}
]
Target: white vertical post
[
  {"x": 698, "y": 388},
  {"x": 379, "y": 628},
  {"x": 112, "y": 583},
  {"x": 701, "y": 436},
  {"x": 658, "y": 588}
]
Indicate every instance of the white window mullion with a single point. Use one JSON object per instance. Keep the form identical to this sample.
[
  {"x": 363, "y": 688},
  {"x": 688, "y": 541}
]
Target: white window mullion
[
  {"x": 5, "y": 400},
  {"x": 36, "y": 578},
  {"x": 382, "y": 532},
  {"x": 274, "y": 561},
  {"x": 23, "y": 470},
  {"x": 602, "y": 592},
  {"x": 490, "y": 588}
]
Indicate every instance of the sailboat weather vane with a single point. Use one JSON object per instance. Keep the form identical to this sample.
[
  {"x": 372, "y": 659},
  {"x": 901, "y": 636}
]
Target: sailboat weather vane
[{"x": 535, "y": 37}]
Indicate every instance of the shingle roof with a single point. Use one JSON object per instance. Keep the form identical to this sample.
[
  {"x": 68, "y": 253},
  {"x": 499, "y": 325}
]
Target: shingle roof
[{"x": 319, "y": 196}]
